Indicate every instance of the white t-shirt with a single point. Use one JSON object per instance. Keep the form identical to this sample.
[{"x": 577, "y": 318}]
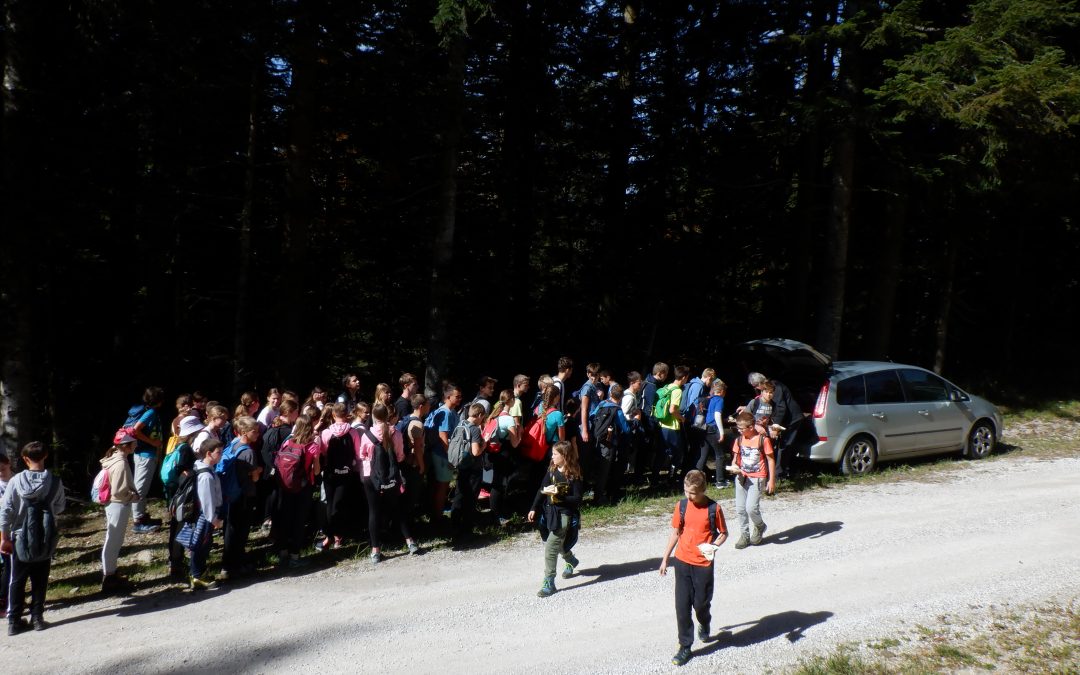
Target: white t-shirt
[{"x": 629, "y": 404}]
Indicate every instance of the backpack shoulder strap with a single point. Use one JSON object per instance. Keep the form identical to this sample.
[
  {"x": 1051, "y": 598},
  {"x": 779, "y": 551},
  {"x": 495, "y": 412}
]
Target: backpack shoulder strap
[
  {"x": 682, "y": 514},
  {"x": 713, "y": 529},
  {"x": 54, "y": 487}
]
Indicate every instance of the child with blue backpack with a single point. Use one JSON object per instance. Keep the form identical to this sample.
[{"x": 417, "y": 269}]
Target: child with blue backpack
[
  {"x": 195, "y": 534},
  {"x": 5, "y": 559},
  {"x": 179, "y": 463},
  {"x": 33, "y": 499},
  {"x": 238, "y": 471}
]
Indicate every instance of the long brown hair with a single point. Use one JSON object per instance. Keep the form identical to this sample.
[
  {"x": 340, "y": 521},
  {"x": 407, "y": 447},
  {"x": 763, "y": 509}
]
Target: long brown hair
[
  {"x": 303, "y": 431},
  {"x": 381, "y": 414},
  {"x": 505, "y": 397},
  {"x": 571, "y": 466}
]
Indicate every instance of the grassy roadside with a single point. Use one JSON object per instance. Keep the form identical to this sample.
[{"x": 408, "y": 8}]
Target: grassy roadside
[{"x": 1005, "y": 639}]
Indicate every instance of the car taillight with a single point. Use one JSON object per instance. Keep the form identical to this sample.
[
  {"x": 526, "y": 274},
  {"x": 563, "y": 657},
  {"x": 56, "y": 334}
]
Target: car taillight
[{"x": 822, "y": 401}]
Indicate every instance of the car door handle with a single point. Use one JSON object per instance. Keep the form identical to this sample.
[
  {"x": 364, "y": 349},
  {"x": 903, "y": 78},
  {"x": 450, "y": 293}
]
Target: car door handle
[
  {"x": 879, "y": 415},
  {"x": 924, "y": 413}
]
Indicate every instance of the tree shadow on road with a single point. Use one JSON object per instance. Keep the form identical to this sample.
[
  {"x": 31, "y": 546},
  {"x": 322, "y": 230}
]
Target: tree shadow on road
[
  {"x": 804, "y": 531},
  {"x": 791, "y": 625},
  {"x": 602, "y": 573}
]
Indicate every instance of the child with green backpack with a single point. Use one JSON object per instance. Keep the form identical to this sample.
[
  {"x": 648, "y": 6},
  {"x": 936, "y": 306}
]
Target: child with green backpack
[{"x": 666, "y": 412}]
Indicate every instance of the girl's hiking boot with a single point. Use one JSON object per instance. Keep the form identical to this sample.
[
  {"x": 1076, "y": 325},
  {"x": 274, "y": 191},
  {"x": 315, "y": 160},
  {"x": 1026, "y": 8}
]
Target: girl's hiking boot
[
  {"x": 681, "y": 657},
  {"x": 571, "y": 563},
  {"x": 743, "y": 542},
  {"x": 204, "y": 583},
  {"x": 755, "y": 537},
  {"x": 16, "y": 626},
  {"x": 38, "y": 622},
  {"x": 548, "y": 589}
]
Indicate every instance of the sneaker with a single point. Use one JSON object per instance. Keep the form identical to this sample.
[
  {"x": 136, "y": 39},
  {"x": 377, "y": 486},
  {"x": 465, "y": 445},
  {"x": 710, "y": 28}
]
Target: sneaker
[
  {"x": 376, "y": 558},
  {"x": 755, "y": 537},
  {"x": 38, "y": 623},
  {"x": 203, "y": 584},
  {"x": 681, "y": 657},
  {"x": 337, "y": 543},
  {"x": 703, "y": 632},
  {"x": 145, "y": 528},
  {"x": 504, "y": 522},
  {"x": 547, "y": 589},
  {"x": 323, "y": 544},
  {"x": 414, "y": 548},
  {"x": 743, "y": 542},
  {"x": 571, "y": 563},
  {"x": 17, "y": 626}
]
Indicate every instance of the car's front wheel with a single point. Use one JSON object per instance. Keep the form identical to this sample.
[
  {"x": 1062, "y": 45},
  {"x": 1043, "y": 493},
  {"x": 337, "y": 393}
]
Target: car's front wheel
[
  {"x": 860, "y": 457},
  {"x": 980, "y": 441}
]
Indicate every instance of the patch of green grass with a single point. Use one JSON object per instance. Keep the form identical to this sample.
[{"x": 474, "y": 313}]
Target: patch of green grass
[{"x": 1028, "y": 639}]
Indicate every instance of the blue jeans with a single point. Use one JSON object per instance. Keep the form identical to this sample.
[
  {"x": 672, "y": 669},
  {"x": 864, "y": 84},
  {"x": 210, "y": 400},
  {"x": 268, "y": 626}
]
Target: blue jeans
[{"x": 674, "y": 445}]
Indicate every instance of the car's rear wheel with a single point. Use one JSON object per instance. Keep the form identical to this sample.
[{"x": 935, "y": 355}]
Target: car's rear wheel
[
  {"x": 980, "y": 442},
  {"x": 860, "y": 457}
]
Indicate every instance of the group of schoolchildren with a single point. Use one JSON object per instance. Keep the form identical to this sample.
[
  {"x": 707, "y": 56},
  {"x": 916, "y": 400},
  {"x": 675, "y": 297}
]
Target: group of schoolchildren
[{"x": 300, "y": 466}]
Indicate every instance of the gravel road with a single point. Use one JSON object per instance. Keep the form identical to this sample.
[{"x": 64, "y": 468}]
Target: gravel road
[{"x": 845, "y": 564}]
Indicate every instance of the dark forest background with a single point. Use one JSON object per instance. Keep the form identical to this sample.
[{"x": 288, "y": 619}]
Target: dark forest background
[{"x": 230, "y": 195}]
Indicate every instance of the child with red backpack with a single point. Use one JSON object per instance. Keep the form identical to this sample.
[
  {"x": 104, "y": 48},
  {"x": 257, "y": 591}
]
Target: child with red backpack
[
  {"x": 296, "y": 463},
  {"x": 502, "y": 433},
  {"x": 121, "y": 495},
  {"x": 381, "y": 453}
]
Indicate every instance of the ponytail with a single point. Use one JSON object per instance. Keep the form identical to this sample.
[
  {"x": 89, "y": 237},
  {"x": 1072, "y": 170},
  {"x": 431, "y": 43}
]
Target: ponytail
[{"x": 381, "y": 414}]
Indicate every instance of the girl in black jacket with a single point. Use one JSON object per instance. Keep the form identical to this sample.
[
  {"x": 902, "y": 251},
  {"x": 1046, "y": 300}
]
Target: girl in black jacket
[{"x": 558, "y": 501}]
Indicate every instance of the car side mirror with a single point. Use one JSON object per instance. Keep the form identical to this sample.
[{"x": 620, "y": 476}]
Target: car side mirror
[{"x": 955, "y": 396}]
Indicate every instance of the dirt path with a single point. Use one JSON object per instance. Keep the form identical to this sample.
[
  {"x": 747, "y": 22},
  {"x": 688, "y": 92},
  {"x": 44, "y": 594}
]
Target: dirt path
[{"x": 846, "y": 564}]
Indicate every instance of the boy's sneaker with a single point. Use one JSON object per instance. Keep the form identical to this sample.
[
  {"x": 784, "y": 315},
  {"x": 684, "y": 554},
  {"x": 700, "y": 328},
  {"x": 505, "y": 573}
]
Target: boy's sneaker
[
  {"x": 203, "y": 584},
  {"x": 414, "y": 548},
  {"x": 743, "y": 542},
  {"x": 17, "y": 626},
  {"x": 547, "y": 589},
  {"x": 571, "y": 563},
  {"x": 141, "y": 528},
  {"x": 755, "y": 538},
  {"x": 38, "y": 623},
  {"x": 681, "y": 657},
  {"x": 704, "y": 632},
  {"x": 376, "y": 558}
]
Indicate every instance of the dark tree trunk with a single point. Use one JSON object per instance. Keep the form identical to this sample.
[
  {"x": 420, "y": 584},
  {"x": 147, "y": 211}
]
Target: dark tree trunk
[
  {"x": 941, "y": 323},
  {"x": 17, "y": 259},
  {"x": 442, "y": 278},
  {"x": 615, "y": 250},
  {"x": 889, "y": 254},
  {"x": 241, "y": 374},
  {"x": 300, "y": 209},
  {"x": 519, "y": 148},
  {"x": 831, "y": 312}
]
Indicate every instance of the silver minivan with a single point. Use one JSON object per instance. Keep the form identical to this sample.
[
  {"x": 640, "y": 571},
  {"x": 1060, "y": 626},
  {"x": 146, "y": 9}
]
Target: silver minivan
[{"x": 871, "y": 411}]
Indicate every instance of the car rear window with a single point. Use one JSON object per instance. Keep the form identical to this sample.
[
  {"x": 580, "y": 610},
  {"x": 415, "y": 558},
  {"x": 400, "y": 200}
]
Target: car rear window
[
  {"x": 851, "y": 391},
  {"x": 922, "y": 386},
  {"x": 883, "y": 387}
]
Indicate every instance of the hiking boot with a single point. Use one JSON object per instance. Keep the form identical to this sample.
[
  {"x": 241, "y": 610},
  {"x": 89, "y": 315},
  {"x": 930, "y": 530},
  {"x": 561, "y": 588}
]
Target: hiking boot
[
  {"x": 38, "y": 622},
  {"x": 743, "y": 542},
  {"x": 548, "y": 589},
  {"x": 203, "y": 584},
  {"x": 758, "y": 533},
  {"x": 414, "y": 548},
  {"x": 16, "y": 626},
  {"x": 376, "y": 558},
  {"x": 681, "y": 657},
  {"x": 571, "y": 563},
  {"x": 703, "y": 632}
]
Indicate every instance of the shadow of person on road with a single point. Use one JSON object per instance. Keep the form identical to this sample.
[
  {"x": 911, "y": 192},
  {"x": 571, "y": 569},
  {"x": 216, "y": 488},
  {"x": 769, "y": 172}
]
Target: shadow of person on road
[
  {"x": 602, "y": 573},
  {"x": 791, "y": 625},
  {"x": 804, "y": 531}
]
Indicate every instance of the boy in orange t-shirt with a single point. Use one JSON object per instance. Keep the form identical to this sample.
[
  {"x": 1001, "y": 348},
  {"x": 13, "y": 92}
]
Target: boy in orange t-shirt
[{"x": 697, "y": 521}]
